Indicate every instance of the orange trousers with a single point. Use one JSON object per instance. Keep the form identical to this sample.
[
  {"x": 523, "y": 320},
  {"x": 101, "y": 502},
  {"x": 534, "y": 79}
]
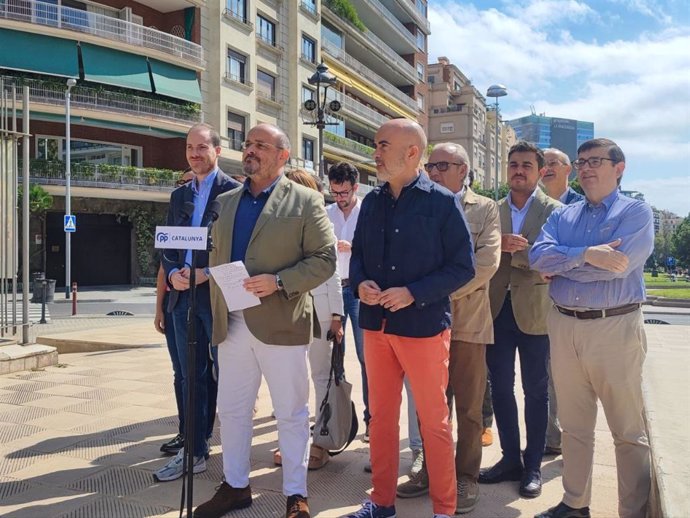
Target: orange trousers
[{"x": 388, "y": 358}]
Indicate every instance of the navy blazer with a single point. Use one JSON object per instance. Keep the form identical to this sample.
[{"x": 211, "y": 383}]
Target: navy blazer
[
  {"x": 573, "y": 196},
  {"x": 431, "y": 254},
  {"x": 176, "y": 258}
]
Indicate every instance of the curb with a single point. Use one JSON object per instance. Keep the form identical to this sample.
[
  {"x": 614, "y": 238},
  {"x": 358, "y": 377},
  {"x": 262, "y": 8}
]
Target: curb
[{"x": 666, "y": 302}]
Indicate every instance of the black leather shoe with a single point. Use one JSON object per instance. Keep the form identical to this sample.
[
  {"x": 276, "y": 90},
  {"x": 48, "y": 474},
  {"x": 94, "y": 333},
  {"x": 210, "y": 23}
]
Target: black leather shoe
[
  {"x": 530, "y": 485},
  {"x": 173, "y": 445},
  {"x": 564, "y": 511},
  {"x": 500, "y": 472}
]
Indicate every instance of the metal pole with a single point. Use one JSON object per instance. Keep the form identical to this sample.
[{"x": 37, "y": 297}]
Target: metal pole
[
  {"x": 68, "y": 194},
  {"x": 320, "y": 126},
  {"x": 25, "y": 216},
  {"x": 497, "y": 154}
]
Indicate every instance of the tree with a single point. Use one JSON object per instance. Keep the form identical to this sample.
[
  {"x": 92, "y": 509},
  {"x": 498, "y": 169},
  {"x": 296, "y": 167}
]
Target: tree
[
  {"x": 40, "y": 202},
  {"x": 503, "y": 191},
  {"x": 680, "y": 243}
]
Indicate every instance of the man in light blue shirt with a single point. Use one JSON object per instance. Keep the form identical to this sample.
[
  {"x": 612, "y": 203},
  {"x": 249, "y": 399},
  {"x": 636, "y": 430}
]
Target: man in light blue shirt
[{"x": 593, "y": 252}]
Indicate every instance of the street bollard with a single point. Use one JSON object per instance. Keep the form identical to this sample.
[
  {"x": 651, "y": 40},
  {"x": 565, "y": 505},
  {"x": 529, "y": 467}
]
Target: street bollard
[
  {"x": 44, "y": 286},
  {"x": 74, "y": 298}
]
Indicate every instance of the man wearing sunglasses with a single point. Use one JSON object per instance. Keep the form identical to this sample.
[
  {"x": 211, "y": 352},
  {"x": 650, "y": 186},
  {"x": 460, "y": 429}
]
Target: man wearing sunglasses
[
  {"x": 555, "y": 175},
  {"x": 593, "y": 253},
  {"x": 472, "y": 326}
]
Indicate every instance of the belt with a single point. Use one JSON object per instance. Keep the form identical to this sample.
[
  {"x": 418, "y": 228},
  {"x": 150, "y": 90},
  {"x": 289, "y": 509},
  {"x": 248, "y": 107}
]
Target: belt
[
  {"x": 598, "y": 313},
  {"x": 344, "y": 283}
]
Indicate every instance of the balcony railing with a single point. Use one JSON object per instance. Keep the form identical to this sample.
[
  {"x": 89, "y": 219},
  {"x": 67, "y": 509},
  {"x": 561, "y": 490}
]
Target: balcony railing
[
  {"x": 238, "y": 18},
  {"x": 389, "y": 54},
  {"x": 357, "y": 108},
  {"x": 108, "y": 27},
  {"x": 381, "y": 9},
  {"x": 412, "y": 10},
  {"x": 85, "y": 174},
  {"x": 104, "y": 100},
  {"x": 347, "y": 144},
  {"x": 369, "y": 74}
]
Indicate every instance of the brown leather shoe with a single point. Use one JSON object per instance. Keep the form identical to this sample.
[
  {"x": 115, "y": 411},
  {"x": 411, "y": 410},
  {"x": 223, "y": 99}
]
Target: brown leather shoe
[
  {"x": 226, "y": 499},
  {"x": 297, "y": 507},
  {"x": 318, "y": 457},
  {"x": 487, "y": 437}
]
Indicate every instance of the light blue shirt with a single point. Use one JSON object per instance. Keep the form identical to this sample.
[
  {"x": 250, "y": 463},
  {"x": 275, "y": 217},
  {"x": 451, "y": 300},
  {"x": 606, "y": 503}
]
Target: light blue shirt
[
  {"x": 560, "y": 251},
  {"x": 202, "y": 192},
  {"x": 517, "y": 216}
]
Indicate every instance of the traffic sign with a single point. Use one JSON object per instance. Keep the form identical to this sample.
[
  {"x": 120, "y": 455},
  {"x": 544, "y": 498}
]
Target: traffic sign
[{"x": 70, "y": 223}]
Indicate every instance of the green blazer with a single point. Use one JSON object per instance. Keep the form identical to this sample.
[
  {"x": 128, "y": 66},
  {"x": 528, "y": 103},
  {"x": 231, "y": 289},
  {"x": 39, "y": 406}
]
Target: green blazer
[
  {"x": 293, "y": 238},
  {"x": 529, "y": 294}
]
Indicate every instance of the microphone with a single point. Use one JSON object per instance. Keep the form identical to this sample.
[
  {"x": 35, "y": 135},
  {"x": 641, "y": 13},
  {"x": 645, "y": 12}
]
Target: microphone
[
  {"x": 212, "y": 211},
  {"x": 186, "y": 212}
]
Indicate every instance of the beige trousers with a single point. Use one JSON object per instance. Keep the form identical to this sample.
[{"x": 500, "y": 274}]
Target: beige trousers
[{"x": 601, "y": 359}]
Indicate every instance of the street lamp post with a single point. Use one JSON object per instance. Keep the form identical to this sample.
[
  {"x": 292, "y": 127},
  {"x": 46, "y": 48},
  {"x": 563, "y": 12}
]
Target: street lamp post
[
  {"x": 322, "y": 78},
  {"x": 496, "y": 91},
  {"x": 68, "y": 174}
]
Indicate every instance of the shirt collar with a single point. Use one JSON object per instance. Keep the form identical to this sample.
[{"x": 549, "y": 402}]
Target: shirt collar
[
  {"x": 205, "y": 183},
  {"x": 608, "y": 201},
  {"x": 527, "y": 204},
  {"x": 267, "y": 190}
]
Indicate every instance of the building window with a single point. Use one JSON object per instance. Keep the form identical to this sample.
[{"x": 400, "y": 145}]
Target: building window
[
  {"x": 332, "y": 35},
  {"x": 307, "y": 93},
  {"x": 308, "y": 49},
  {"x": 237, "y": 65},
  {"x": 238, "y": 9},
  {"x": 236, "y": 127},
  {"x": 420, "y": 102},
  {"x": 266, "y": 30},
  {"x": 420, "y": 71},
  {"x": 431, "y": 79},
  {"x": 88, "y": 151},
  {"x": 421, "y": 40},
  {"x": 266, "y": 85},
  {"x": 421, "y": 7},
  {"x": 309, "y": 5},
  {"x": 308, "y": 149},
  {"x": 457, "y": 85}
]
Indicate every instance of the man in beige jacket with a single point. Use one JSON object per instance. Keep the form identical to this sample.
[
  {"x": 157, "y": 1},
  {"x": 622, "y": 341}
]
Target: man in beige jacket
[{"x": 472, "y": 326}]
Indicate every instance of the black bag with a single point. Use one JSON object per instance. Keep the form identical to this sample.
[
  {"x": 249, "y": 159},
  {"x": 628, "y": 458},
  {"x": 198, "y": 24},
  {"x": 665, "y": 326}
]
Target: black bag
[{"x": 336, "y": 425}]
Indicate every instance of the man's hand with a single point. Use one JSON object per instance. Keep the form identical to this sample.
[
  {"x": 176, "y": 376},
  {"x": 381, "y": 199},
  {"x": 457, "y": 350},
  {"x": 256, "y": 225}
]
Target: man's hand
[
  {"x": 159, "y": 321},
  {"x": 394, "y": 299},
  {"x": 513, "y": 243},
  {"x": 261, "y": 285},
  {"x": 201, "y": 276},
  {"x": 546, "y": 277},
  {"x": 337, "y": 329},
  {"x": 607, "y": 257},
  {"x": 344, "y": 246},
  {"x": 180, "y": 279},
  {"x": 369, "y": 293}
]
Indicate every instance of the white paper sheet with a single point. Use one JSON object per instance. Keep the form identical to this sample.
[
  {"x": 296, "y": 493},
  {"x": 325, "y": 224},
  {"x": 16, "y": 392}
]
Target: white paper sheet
[{"x": 229, "y": 277}]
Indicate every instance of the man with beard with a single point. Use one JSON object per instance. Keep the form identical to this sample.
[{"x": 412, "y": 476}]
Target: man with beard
[
  {"x": 411, "y": 250},
  {"x": 519, "y": 305},
  {"x": 281, "y": 232}
]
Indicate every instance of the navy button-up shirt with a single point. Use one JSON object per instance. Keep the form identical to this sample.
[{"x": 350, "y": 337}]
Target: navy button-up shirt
[
  {"x": 248, "y": 212},
  {"x": 420, "y": 241}
]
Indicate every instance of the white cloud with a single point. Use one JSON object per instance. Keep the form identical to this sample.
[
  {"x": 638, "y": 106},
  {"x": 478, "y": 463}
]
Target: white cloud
[{"x": 667, "y": 193}]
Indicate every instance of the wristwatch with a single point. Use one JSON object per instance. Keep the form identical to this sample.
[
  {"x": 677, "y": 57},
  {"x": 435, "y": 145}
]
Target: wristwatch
[
  {"x": 207, "y": 272},
  {"x": 279, "y": 283},
  {"x": 337, "y": 317}
]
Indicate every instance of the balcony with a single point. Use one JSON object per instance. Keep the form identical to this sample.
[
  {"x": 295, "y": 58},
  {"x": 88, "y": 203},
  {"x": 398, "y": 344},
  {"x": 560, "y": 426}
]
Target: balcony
[
  {"x": 360, "y": 111},
  {"x": 388, "y": 88},
  {"x": 239, "y": 20},
  {"x": 102, "y": 26},
  {"x": 86, "y": 174},
  {"x": 348, "y": 145},
  {"x": 375, "y": 10},
  {"x": 86, "y": 98}
]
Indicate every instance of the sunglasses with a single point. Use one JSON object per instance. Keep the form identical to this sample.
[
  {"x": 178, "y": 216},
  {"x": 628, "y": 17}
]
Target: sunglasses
[{"x": 441, "y": 166}]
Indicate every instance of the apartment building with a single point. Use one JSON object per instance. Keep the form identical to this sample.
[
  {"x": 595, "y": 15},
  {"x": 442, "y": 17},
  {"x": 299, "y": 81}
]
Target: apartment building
[
  {"x": 135, "y": 65},
  {"x": 546, "y": 132},
  {"x": 458, "y": 113}
]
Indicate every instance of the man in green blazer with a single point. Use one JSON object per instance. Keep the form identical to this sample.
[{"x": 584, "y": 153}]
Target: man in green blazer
[
  {"x": 520, "y": 301},
  {"x": 281, "y": 232}
]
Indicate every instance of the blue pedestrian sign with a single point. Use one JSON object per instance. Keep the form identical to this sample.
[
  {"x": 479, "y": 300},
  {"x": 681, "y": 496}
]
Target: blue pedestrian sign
[{"x": 70, "y": 223}]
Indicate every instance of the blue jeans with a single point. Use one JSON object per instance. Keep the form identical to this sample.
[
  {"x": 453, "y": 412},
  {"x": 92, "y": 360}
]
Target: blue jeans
[
  {"x": 351, "y": 305},
  {"x": 203, "y": 396},
  {"x": 534, "y": 356}
]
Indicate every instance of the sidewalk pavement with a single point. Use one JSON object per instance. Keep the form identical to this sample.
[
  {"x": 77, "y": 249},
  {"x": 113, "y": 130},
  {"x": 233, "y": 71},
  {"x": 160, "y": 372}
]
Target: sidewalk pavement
[{"x": 81, "y": 439}]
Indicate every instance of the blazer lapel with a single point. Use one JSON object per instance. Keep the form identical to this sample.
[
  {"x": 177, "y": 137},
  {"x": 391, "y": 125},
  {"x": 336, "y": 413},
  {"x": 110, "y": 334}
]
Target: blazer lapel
[
  {"x": 506, "y": 220},
  {"x": 533, "y": 218},
  {"x": 226, "y": 225}
]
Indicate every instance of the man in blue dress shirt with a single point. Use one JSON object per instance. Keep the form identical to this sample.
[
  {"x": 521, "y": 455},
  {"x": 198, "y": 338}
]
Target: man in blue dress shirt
[{"x": 593, "y": 252}]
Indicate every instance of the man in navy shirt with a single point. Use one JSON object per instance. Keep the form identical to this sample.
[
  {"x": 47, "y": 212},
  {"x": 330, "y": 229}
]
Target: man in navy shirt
[{"x": 411, "y": 250}]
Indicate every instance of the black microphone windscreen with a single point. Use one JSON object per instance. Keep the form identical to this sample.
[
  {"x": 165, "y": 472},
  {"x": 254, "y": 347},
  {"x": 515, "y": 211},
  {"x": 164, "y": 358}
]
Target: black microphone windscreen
[
  {"x": 213, "y": 209},
  {"x": 187, "y": 210}
]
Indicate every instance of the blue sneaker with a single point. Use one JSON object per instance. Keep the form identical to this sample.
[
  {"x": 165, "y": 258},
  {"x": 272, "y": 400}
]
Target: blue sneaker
[{"x": 371, "y": 510}]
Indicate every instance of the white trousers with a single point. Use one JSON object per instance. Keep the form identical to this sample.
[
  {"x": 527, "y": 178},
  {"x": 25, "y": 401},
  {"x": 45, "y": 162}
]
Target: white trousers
[
  {"x": 320, "y": 352},
  {"x": 242, "y": 360}
]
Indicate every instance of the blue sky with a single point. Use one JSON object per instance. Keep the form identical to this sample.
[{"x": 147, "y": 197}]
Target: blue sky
[{"x": 622, "y": 64}]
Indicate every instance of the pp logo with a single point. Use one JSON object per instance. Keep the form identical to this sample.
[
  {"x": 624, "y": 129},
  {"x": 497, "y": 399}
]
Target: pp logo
[{"x": 162, "y": 237}]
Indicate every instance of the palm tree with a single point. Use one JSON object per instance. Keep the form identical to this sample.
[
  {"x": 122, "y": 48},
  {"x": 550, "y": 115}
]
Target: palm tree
[{"x": 40, "y": 202}]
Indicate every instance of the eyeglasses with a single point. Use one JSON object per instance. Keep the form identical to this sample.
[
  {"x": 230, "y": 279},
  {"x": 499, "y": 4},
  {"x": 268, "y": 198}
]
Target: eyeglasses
[
  {"x": 593, "y": 162},
  {"x": 441, "y": 166},
  {"x": 261, "y": 146},
  {"x": 553, "y": 163},
  {"x": 341, "y": 194}
]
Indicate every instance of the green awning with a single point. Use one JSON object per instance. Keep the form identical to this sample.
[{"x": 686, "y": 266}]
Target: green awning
[
  {"x": 174, "y": 81},
  {"x": 38, "y": 53},
  {"x": 114, "y": 67}
]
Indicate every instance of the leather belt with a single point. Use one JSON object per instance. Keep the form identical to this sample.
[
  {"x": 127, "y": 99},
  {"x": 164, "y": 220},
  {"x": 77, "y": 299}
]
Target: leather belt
[
  {"x": 344, "y": 283},
  {"x": 598, "y": 313}
]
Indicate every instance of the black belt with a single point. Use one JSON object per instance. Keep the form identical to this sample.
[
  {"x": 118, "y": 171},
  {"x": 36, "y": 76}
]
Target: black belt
[
  {"x": 598, "y": 313},
  {"x": 344, "y": 283}
]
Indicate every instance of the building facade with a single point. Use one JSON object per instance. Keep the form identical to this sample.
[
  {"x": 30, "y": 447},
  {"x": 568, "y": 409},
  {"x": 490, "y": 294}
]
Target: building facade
[
  {"x": 546, "y": 132},
  {"x": 135, "y": 65}
]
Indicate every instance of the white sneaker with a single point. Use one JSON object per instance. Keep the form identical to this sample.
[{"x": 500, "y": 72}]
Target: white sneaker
[
  {"x": 441, "y": 516},
  {"x": 175, "y": 467}
]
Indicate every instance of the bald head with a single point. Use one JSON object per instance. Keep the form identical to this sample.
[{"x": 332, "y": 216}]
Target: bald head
[
  {"x": 400, "y": 144},
  {"x": 411, "y": 133}
]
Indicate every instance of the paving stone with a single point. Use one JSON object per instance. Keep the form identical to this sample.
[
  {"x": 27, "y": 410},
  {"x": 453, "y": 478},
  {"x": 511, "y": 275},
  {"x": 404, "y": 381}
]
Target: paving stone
[{"x": 24, "y": 414}]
